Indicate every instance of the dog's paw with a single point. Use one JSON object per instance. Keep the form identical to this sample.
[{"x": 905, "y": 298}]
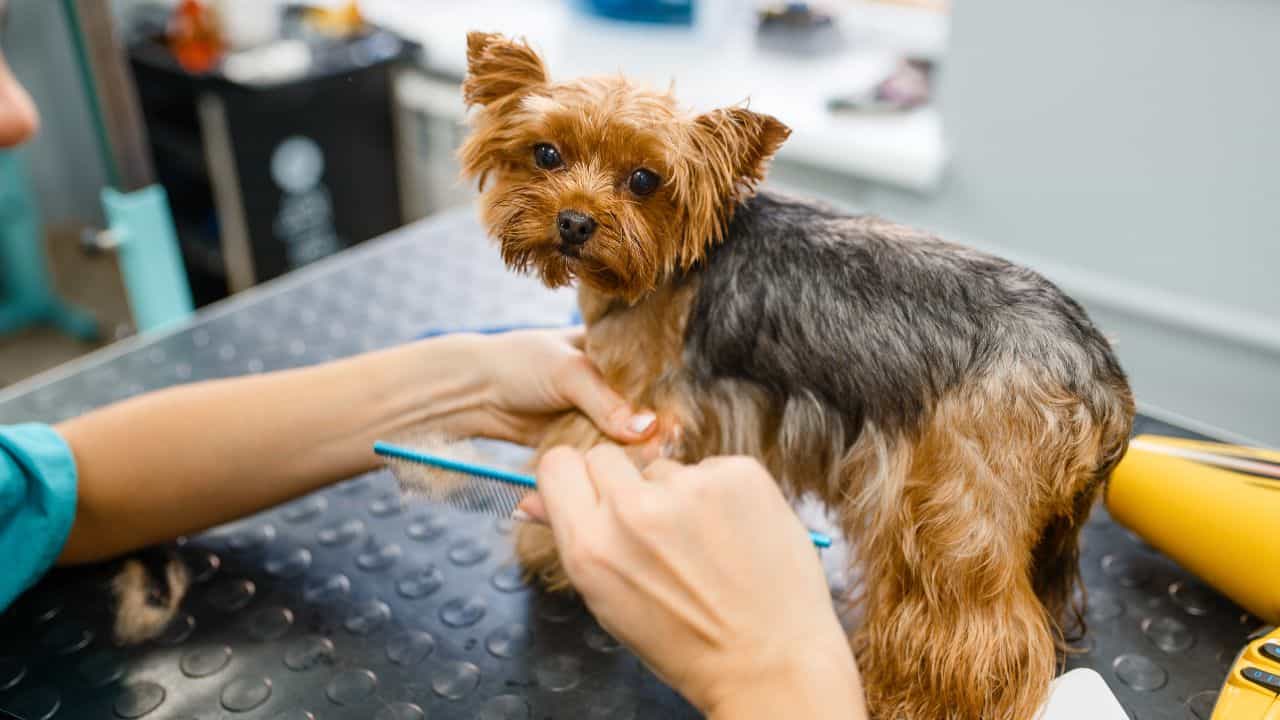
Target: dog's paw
[{"x": 536, "y": 551}]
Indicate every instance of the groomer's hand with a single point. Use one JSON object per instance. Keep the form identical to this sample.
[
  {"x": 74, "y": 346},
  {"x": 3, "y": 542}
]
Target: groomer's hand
[
  {"x": 708, "y": 575},
  {"x": 527, "y": 378}
]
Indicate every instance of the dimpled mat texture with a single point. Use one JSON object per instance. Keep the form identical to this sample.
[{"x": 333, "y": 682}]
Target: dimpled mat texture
[{"x": 354, "y": 603}]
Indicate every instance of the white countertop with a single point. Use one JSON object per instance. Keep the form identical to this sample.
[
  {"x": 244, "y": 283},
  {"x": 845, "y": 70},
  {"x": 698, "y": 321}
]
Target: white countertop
[{"x": 716, "y": 68}]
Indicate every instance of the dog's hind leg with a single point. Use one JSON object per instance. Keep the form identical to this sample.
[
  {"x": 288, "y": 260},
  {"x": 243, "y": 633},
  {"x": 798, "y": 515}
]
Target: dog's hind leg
[{"x": 951, "y": 524}]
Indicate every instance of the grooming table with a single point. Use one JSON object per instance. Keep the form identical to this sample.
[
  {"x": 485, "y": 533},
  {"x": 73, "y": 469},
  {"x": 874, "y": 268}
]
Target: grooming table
[{"x": 349, "y": 603}]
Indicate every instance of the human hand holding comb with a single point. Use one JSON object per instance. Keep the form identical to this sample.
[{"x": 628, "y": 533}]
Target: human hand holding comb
[
  {"x": 701, "y": 569},
  {"x": 706, "y": 573},
  {"x": 458, "y": 479}
]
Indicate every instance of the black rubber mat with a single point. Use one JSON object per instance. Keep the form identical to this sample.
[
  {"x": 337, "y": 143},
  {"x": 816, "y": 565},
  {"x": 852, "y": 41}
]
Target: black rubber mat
[{"x": 352, "y": 603}]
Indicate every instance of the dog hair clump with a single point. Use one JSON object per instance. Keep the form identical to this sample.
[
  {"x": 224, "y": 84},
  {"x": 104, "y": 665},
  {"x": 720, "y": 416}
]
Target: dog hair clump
[
  {"x": 142, "y": 612},
  {"x": 428, "y": 481}
]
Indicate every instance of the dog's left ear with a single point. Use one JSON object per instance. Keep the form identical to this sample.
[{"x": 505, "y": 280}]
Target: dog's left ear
[
  {"x": 500, "y": 69},
  {"x": 728, "y": 153},
  {"x": 739, "y": 143}
]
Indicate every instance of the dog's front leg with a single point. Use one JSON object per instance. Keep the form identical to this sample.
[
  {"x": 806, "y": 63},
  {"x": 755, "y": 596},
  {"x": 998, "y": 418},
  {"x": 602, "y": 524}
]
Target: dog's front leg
[{"x": 535, "y": 545}]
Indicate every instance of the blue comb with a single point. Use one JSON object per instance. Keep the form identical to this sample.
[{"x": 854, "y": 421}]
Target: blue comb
[
  {"x": 574, "y": 319},
  {"x": 490, "y": 330},
  {"x": 499, "y": 498}
]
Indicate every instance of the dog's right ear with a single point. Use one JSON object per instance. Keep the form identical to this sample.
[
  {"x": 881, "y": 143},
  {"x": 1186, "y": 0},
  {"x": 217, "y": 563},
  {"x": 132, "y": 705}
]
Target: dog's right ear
[{"x": 500, "y": 69}]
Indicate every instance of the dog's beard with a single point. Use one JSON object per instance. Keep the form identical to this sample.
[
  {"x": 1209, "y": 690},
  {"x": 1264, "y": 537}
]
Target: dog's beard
[
  {"x": 611, "y": 262},
  {"x": 527, "y": 242}
]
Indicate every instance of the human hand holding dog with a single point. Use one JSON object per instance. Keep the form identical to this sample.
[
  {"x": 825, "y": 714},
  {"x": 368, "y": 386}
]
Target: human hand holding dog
[
  {"x": 708, "y": 575},
  {"x": 527, "y": 378},
  {"x": 190, "y": 457}
]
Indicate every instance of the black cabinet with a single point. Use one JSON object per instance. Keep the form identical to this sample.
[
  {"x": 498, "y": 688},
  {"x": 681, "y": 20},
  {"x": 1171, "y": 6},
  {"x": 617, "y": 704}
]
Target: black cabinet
[{"x": 264, "y": 178}]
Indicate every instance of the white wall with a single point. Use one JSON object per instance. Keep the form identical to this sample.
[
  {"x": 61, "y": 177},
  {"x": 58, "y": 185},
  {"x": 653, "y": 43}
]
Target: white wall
[{"x": 1130, "y": 151}]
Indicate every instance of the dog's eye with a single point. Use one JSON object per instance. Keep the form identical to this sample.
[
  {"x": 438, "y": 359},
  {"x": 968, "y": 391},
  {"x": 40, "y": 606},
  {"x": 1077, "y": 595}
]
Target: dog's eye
[
  {"x": 547, "y": 156},
  {"x": 643, "y": 182}
]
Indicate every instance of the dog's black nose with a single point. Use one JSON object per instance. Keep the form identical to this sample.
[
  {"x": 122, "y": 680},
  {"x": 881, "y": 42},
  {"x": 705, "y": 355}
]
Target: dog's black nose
[{"x": 575, "y": 227}]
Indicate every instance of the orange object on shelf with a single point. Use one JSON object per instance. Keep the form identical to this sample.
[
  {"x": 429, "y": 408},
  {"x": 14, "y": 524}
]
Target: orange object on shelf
[
  {"x": 194, "y": 37},
  {"x": 340, "y": 21}
]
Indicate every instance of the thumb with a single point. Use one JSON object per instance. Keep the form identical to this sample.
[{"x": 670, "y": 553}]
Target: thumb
[{"x": 586, "y": 389}]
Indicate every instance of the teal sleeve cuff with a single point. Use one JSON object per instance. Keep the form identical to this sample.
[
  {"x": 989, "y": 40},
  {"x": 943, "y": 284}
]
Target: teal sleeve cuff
[{"x": 37, "y": 504}]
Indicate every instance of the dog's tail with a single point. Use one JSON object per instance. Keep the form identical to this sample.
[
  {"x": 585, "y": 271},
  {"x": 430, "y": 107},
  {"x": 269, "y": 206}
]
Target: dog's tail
[{"x": 144, "y": 607}]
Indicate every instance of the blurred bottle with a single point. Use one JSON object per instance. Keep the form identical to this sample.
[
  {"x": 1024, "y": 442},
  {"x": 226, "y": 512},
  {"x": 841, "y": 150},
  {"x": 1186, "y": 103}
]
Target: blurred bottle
[
  {"x": 342, "y": 21},
  {"x": 659, "y": 12},
  {"x": 194, "y": 37},
  {"x": 248, "y": 24}
]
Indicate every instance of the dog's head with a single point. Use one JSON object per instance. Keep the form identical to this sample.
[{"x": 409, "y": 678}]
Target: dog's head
[{"x": 598, "y": 179}]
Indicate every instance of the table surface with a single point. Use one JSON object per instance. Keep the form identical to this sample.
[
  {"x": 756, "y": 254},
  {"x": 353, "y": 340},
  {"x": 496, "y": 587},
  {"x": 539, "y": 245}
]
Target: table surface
[{"x": 355, "y": 603}]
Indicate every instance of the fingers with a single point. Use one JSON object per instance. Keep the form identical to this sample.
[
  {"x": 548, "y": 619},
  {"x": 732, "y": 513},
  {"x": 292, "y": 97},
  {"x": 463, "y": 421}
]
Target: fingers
[
  {"x": 661, "y": 470},
  {"x": 531, "y": 509},
  {"x": 576, "y": 336},
  {"x": 646, "y": 452},
  {"x": 564, "y": 483},
  {"x": 603, "y": 472},
  {"x": 584, "y": 387},
  {"x": 566, "y": 491},
  {"x": 612, "y": 471}
]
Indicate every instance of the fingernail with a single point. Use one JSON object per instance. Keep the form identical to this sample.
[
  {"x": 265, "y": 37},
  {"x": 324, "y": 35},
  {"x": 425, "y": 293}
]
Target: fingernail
[
  {"x": 640, "y": 423},
  {"x": 521, "y": 516}
]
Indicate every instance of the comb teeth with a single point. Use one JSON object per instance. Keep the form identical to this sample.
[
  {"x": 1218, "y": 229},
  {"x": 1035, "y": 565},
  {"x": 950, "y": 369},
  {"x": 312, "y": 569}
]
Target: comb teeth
[
  {"x": 464, "y": 491},
  {"x": 487, "y": 496},
  {"x": 469, "y": 486}
]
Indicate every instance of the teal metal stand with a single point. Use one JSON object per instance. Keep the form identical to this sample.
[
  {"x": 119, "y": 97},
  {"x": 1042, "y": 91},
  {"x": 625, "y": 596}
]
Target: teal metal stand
[
  {"x": 26, "y": 289},
  {"x": 149, "y": 259},
  {"x": 139, "y": 223}
]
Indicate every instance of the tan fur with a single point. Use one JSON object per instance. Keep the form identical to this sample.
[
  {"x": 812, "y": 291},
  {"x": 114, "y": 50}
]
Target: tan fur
[
  {"x": 966, "y": 526},
  {"x": 137, "y": 618}
]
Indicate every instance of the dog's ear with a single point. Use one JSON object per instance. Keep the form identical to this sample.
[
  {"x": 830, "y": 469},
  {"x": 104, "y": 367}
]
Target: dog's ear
[
  {"x": 738, "y": 144},
  {"x": 728, "y": 152},
  {"x": 499, "y": 68}
]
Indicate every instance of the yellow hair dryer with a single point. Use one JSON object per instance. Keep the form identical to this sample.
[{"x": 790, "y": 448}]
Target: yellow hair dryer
[{"x": 1215, "y": 509}]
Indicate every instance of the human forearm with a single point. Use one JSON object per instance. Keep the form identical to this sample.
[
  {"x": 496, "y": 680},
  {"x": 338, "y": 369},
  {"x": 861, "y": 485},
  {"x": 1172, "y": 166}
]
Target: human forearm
[{"x": 195, "y": 456}]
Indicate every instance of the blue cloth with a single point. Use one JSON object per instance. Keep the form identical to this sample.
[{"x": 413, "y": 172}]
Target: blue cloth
[{"x": 37, "y": 504}]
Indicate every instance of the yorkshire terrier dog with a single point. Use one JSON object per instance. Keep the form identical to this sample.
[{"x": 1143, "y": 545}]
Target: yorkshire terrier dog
[{"x": 957, "y": 413}]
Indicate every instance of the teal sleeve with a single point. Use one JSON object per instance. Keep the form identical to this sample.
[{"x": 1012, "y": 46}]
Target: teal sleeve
[{"x": 37, "y": 504}]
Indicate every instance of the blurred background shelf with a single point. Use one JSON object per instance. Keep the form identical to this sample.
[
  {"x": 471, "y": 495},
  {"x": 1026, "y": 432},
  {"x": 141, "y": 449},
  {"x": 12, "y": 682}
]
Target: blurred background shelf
[{"x": 265, "y": 177}]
